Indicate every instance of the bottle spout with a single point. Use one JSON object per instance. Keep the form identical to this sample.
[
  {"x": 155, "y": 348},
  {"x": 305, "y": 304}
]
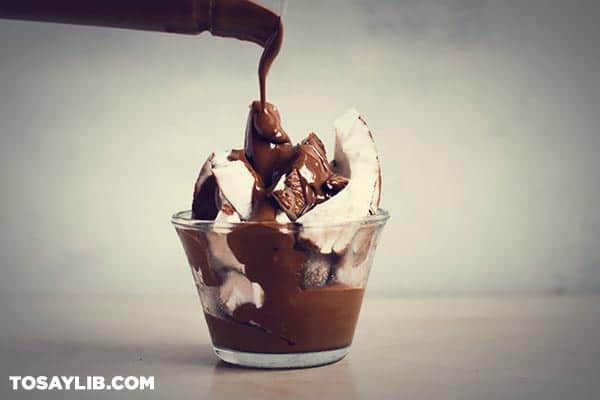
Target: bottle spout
[{"x": 244, "y": 20}]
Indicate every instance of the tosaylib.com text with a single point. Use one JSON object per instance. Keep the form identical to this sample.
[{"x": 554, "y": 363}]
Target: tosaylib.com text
[{"x": 81, "y": 383}]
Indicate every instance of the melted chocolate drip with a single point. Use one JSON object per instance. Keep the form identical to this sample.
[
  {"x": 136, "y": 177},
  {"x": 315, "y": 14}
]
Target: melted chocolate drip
[
  {"x": 206, "y": 200},
  {"x": 272, "y": 48},
  {"x": 263, "y": 207},
  {"x": 290, "y": 314},
  {"x": 267, "y": 146}
]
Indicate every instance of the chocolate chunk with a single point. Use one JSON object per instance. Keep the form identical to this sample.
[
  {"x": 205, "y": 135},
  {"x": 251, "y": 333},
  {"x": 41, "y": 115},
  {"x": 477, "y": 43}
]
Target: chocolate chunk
[
  {"x": 310, "y": 182},
  {"x": 291, "y": 197},
  {"x": 334, "y": 184},
  {"x": 313, "y": 140}
]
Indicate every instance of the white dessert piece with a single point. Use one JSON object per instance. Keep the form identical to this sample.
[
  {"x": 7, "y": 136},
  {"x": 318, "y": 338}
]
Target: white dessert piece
[
  {"x": 237, "y": 290},
  {"x": 235, "y": 182},
  {"x": 222, "y": 258},
  {"x": 282, "y": 218},
  {"x": 354, "y": 266},
  {"x": 355, "y": 158},
  {"x": 227, "y": 213}
]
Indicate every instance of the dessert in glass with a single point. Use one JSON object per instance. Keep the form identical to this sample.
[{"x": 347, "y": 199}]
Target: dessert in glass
[{"x": 280, "y": 241}]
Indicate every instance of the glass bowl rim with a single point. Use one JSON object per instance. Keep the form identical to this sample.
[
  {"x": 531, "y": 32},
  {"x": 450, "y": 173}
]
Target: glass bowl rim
[{"x": 184, "y": 220}]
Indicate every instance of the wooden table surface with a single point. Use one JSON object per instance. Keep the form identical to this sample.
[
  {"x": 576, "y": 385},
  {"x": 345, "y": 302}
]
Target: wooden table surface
[{"x": 404, "y": 348}]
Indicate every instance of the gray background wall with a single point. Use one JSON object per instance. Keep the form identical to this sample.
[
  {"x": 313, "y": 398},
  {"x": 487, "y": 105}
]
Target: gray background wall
[{"x": 486, "y": 114}]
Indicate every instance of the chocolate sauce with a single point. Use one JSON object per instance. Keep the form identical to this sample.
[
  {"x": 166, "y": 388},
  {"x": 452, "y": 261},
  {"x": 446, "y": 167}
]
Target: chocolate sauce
[
  {"x": 272, "y": 48},
  {"x": 267, "y": 146},
  {"x": 263, "y": 206},
  {"x": 292, "y": 318},
  {"x": 321, "y": 319},
  {"x": 308, "y": 319}
]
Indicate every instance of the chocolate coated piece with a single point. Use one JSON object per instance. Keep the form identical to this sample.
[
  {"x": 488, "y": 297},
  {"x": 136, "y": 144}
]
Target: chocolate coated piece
[
  {"x": 205, "y": 205},
  {"x": 310, "y": 181}
]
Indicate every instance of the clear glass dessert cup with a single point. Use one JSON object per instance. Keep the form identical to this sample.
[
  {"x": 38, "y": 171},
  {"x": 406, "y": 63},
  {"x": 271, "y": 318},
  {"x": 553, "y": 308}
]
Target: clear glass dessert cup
[{"x": 280, "y": 295}]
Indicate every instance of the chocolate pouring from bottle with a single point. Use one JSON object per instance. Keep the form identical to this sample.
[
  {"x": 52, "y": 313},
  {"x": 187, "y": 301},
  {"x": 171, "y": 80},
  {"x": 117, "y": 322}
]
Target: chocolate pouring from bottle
[
  {"x": 273, "y": 300},
  {"x": 272, "y": 297}
]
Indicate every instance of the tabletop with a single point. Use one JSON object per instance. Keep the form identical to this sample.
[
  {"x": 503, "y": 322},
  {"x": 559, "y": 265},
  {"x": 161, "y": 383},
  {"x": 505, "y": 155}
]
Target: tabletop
[{"x": 545, "y": 347}]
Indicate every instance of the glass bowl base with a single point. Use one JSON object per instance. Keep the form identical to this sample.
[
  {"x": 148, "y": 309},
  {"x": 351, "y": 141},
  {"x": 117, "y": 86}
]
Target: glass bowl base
[{"x": 282, "y": 360}]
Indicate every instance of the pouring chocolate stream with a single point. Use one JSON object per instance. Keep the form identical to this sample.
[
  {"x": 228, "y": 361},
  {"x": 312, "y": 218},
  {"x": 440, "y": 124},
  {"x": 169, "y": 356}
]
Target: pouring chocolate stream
[{"x": 267, "y": 146}]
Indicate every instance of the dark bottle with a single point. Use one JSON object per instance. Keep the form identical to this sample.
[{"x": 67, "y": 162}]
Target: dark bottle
[{"x": 241, "y": 19}]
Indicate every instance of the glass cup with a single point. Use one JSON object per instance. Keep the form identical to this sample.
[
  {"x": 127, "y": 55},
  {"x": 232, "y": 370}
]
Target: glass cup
[{"x": 280, "y": 295}]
